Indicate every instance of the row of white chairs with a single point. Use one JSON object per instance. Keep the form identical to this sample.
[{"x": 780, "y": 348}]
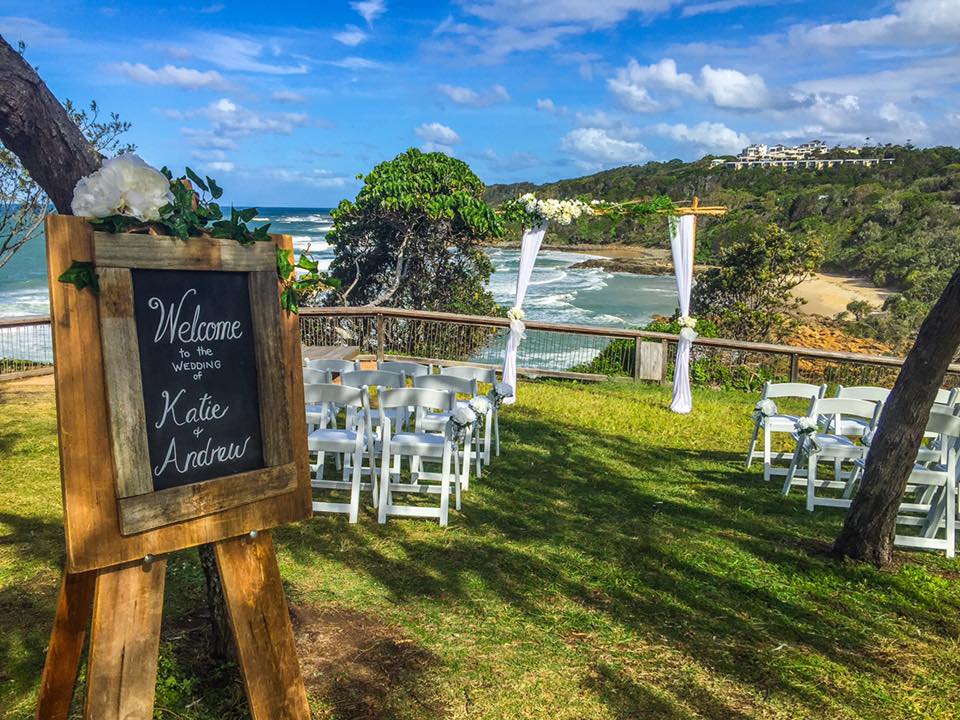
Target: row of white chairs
[
  {"x": 837, "y": 431},
  {"x": 409, "y": 422}
]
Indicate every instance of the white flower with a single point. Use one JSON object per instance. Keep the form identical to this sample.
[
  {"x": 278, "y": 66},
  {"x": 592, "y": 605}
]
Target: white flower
[
  {"x": 766, "y": 408},
  {"x": 463, "y": 416},
  {"x": 806, "y": 425},
  {"x": 516, "y": 313},
  {"x": 687, "y": 321},
  {"x": 480, "y": 406},
  {"x": 503, "y": 390},
  {"x": 124, "y": 185}
]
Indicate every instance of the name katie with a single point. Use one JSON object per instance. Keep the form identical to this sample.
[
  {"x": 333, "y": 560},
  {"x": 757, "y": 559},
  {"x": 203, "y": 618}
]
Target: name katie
[{"x": 171, "y": 328}]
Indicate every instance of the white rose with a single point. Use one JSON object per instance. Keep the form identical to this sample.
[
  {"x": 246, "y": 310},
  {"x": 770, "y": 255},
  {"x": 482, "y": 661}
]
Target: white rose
[{"x": 124, "y": 185}]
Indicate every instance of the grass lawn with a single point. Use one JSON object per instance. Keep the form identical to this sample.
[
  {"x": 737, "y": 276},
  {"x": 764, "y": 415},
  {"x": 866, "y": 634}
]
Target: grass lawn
[{"x": 615, "y": 562}]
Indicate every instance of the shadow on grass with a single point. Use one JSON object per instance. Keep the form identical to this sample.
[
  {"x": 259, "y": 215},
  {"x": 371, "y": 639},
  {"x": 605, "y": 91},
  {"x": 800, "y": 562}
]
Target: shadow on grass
[{"x": 679, "y": 547}]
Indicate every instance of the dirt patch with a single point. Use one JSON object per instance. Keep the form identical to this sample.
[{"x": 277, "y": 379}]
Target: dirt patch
[{"x": 364, "y": 668}]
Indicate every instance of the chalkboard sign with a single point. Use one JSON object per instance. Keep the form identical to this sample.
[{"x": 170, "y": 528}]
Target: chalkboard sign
[{"x": 199, "y": 374}]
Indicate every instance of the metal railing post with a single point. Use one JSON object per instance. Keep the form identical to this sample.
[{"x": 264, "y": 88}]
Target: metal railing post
[
  {"x": 379, "y": 337},
  {"x": 794, "y": 367}
]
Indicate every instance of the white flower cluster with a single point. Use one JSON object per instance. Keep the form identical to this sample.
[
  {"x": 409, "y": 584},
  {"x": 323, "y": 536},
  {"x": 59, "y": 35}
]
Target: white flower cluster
[
  {"x": 480, "y": 406},
  {"x": 807, "y": 431},
  {"x": 688, "y": 322},
  {"x": 516, "y": 313},
  {"x": 460, "y": 421},
  {"x": 765, "y": 408},
  {"x": 806, "y": 425},
  {"x": 124, "y": 185},
  {"x": 499, "y": 392},
  {"x": 562, "y": 212}
]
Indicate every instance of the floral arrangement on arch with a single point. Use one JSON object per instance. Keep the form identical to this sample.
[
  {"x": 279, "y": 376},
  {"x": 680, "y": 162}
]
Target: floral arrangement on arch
[
  {"x": 126, "y": 195},
  {"x": 531, "y": 211}
]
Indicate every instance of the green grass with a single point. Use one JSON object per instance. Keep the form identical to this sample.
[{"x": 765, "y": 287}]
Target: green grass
[{"x": 615, "y": 562}]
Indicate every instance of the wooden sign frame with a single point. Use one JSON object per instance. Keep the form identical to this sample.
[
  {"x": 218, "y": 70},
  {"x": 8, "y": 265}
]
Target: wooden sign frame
[{"x": 118, "y": 529}]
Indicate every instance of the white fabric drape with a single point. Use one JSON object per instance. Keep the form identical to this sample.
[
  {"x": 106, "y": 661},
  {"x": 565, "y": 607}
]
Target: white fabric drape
[
  {"x": 529, "y": 248},
  {"x": 681, "y": 242}
]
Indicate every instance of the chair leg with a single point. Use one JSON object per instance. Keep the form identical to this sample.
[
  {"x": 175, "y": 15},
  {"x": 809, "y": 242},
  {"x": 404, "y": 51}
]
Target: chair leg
[
  {"x": 811, "y": 481},
  {"x": 355, "y": 486},
  {"x": 792, "y": 470},
  {"x": 766, "y": 453},
  {"x": 951, "y": 498},
  {"x": 445, "y": 488},
  {"x": 851, "y": 482},
  {"x": 496, "y": 432},
  {"x": 384, "y": 486},
  {"x": 487, "y": 433},
  {"x": 321, "y": 456},
  {"x": 753, "y": 445}
]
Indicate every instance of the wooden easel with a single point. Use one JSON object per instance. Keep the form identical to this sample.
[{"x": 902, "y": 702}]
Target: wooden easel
[{"x": 115, "y": 580}]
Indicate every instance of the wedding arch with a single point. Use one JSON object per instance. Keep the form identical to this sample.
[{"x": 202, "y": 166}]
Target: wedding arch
[{"x": 535, "y": 215}]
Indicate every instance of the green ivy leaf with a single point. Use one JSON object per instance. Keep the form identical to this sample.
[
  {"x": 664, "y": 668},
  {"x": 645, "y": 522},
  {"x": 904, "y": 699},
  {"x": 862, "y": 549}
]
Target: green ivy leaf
[
  {"x": 215, "y": 190},
  {"x": 195, "y": 179},
  {"x": 81, "y": 275},
  {"x": 284, "y": 266}
]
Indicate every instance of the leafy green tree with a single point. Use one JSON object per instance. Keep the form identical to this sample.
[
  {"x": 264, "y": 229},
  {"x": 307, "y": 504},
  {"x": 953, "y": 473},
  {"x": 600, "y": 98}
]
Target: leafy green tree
[
  {"x": 748, "y": 296},
  {"x": 413, "y": 237}
]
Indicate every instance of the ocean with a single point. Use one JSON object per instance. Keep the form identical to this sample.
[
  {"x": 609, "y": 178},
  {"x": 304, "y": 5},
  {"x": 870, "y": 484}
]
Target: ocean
[{"x": 557, "y": 292}]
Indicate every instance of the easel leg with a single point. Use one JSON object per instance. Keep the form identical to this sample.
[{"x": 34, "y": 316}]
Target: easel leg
[
  {"x": 261, "y": 627},
  {"x": 125, "y": 641},
  {"x": 66, "y": 643}
]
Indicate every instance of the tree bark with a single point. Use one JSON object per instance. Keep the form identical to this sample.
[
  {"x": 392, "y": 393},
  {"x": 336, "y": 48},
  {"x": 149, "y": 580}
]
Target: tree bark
[
  {"x": 870, "y": 525},
  {"x": 35, "y": 127}
]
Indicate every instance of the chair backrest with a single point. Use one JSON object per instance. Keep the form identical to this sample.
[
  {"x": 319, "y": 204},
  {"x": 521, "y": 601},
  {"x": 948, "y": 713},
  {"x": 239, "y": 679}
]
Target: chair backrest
[
  {"x": 336, "y": 367},
  {"x": 947, "y": 397},
  {"x": 448, "y": 383},
  {"x": 944, "y": 424},
  {"x": 313, "y": 376},
  {"x": 793, "y": 390},
  {"x": 410, "y": 369},
  {"x": 371, "y": 378},
  {"x": 471, "y": 372},
  {"x": 864, "y": 392},
  {"x": 337, "y": 394},
  {"x": 846, "y": 406},
  {"x": 417, "y": 398}
]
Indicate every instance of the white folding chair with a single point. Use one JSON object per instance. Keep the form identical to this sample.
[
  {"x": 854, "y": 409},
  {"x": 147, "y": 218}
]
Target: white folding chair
[
  {"x": 427, "y": 446},
  {"x": 334, "y": 367},
  {"x": 830, "y": 447},
  {"x": 854, "y": 426},
  {"x": 379, "y": 379},
  {"x": 437, "y": 421},
  {"x": 409, "y": 369},
  {"x": 488, "y": 376},
  {"x": 352, "y": 441},
  {"x": 778, "y": 423},
  {"x": 930, "y": 500}
]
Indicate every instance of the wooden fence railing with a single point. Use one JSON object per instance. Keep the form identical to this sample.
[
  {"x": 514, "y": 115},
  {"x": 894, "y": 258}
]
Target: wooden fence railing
[{"x": 550, "y": 350}]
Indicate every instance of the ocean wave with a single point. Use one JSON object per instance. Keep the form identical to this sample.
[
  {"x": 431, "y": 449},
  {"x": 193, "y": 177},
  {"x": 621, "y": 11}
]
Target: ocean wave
[
  {"x": 312, "y": 218},
  {"x": 550, "y": 280}
]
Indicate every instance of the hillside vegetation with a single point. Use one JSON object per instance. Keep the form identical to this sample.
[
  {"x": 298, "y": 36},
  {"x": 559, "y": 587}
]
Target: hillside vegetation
[{"x": 898, "y": 225}]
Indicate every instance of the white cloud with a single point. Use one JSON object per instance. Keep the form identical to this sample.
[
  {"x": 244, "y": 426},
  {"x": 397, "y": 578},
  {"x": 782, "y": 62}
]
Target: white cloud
[
  {"x": 350, "y": 36},
  {"x": 287, "y": 96},
  {"x": 236, "y": 52},
  {"x": 437, "y": 137},
  {"x": 725, "y": 87},
  {"x": 630, "y": 84},
  {"x": 369, "y": 10},
  {"x": 314, "y": 177},
  {"x": 602, "y": 147},
  {"x": 710, "y": 137},
  {"x": 536, "y": 13},
  {"x": 211, "y": 9},
  {"x": 722, "y": 6},
  {"x": 32, "y": 32},
  {"x": 181, "y": 77},
  {"x": 221, "y": 166},
  {"x": 913, "y": 22},
  {"x": 547, "y": 105},
  {"x": 207, "y": 139},
  {"x": 733, "y": 89},
  {"x": 598, "y": 118},
  {"x": 227, "y": 118},
  {"x": 467, "y": 96},
  {"x": 355, "y": 63}
]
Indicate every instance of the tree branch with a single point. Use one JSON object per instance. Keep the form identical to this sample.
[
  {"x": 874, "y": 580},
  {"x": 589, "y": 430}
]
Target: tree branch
[
  {"x": 390, "y": 291},
  {"x": 36, "y": 128}
]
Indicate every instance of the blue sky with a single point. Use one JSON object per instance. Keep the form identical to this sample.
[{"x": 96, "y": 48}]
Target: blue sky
[{"x": 285, "y": 102}]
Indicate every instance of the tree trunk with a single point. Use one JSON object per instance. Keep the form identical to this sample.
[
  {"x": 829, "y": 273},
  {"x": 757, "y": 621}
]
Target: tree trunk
[
  {"x": 221, "y": 647},
  {"x": 35, "y": 127},
  {"x": 870, "y": 525}
]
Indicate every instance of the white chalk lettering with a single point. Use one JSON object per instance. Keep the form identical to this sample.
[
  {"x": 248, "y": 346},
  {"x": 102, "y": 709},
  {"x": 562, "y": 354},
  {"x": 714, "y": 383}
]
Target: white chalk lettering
[
  {"x": 170, "y": 329},
  {"x": 209, "y": 455}
]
